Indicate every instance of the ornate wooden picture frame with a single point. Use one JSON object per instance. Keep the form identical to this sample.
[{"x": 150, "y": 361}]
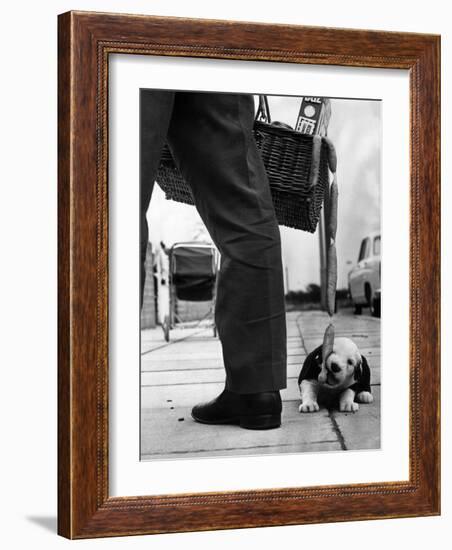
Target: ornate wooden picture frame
[{"x": 86, "y": 40}]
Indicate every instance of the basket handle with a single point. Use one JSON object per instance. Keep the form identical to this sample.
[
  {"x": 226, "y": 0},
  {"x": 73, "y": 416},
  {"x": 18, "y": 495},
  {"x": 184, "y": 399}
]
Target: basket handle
[{"x": 263, "y": 111}]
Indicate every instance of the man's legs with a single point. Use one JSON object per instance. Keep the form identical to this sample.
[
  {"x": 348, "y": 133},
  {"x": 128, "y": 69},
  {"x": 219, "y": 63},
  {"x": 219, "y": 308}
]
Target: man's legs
[
  {"x": 211, "y": 138},
  {"x": 155, "y": 113}
]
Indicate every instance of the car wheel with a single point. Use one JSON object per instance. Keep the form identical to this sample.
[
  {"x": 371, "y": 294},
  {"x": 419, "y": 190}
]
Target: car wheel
[
  {"x": 368, "y": 295},
  {"x": 358, "y": 309},
  {"x": 376, "y": 307}
]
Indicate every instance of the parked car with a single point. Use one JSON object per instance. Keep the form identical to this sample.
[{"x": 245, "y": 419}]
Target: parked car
[{"x": 365, "y": 278}]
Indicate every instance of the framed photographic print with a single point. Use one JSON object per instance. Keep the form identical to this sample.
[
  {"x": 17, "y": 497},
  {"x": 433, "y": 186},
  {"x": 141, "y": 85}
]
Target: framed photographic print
[{"x": 248, "y": 275}]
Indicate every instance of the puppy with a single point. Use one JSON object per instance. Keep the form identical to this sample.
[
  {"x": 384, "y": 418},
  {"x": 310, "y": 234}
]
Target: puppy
[{"x": 347, "y": 377}]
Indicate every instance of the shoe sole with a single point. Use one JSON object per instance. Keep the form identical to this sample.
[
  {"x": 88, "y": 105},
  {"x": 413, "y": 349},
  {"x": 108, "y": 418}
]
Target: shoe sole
[{"x": 259, "y": 422}]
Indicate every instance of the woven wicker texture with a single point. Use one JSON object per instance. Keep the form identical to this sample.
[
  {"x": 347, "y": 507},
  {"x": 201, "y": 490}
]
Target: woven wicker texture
[{"x": 287, "y": 156}]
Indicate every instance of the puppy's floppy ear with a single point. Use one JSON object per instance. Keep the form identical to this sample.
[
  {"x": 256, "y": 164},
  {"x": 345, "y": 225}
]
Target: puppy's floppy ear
[
  {"x": 311, "y": 366},
  {"x": 362, "y": 374},
  {"x": 358, "y": 373},
  {"x": 364, "y": 380}
]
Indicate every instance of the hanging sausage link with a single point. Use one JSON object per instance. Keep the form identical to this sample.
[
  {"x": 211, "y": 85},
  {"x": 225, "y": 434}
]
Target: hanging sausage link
[{"x": 331, "y": 229}]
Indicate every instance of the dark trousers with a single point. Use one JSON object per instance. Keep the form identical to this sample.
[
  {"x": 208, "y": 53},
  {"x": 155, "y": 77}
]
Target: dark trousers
[{"x": 210, "y": 137}]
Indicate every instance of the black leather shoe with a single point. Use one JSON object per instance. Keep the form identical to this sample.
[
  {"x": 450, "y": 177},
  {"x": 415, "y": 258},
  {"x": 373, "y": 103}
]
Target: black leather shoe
[{"x": 255, "y": 411}]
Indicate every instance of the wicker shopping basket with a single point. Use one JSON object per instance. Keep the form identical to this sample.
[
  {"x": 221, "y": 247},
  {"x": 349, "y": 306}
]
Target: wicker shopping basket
[{"x": 297, "y": 166}]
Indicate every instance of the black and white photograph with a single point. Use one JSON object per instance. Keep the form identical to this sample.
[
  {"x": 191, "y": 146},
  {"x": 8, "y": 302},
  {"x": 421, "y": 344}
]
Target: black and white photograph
[{"x": 260, "y": 274}]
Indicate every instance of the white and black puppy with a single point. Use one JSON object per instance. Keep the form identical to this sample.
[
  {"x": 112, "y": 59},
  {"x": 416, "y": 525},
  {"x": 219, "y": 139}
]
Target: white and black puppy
[{"x": 347, "y": 377}]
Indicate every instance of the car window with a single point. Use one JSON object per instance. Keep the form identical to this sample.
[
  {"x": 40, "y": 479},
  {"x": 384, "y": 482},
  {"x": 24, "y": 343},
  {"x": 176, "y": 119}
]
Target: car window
[
  {"x": 377, "y": 242},
  {"x": 364, "y": 250}
]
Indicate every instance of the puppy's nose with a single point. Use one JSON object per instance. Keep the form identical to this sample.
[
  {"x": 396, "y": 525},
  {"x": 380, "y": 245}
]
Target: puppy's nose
[{"x": 335, "y": 367}]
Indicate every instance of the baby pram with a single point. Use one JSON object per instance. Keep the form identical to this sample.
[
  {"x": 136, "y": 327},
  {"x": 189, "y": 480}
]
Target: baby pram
[{"x": 192, "y": 277}]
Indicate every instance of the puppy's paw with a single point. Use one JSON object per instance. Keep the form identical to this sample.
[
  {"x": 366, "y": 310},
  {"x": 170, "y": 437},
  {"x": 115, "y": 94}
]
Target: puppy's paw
[
  {"x": 365, "y": 397},
  {"x": 348, "y": 406},
  {"x": 308, "y": 407}
]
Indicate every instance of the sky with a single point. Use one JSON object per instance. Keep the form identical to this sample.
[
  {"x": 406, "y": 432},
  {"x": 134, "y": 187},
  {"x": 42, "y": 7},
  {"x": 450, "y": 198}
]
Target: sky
[{"x": 355, "y": 129}]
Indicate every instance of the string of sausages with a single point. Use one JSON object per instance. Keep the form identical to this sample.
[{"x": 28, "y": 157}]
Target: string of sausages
[{"x": 330, "y": 205}]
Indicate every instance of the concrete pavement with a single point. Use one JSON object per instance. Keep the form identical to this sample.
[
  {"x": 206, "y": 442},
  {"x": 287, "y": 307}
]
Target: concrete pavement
[{"x": 189, "y": 369}]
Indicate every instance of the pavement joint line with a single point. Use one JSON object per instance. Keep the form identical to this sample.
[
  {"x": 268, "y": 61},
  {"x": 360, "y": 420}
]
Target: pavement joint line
[
  {"x": 303, "y": 345},
  {"x": 152, "y": 371},
  {"x": 212, "y": 356},
  {"x": 171, "y": 342},
  {"x": 242, "y": 448},
  {"x": 193, "y": 383},
  {"x": 337, "y": 430}
]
